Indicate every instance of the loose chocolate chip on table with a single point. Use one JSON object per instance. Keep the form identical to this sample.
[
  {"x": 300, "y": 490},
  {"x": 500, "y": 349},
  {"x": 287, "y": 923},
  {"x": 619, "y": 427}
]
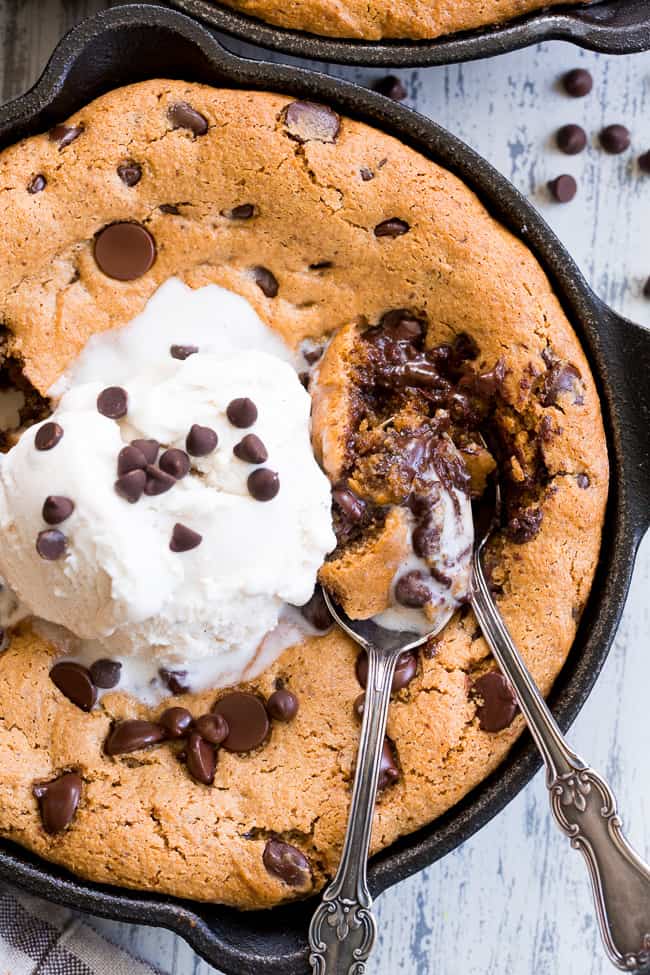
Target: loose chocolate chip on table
[
  {"x": 113, "y": 402},
  {"x": 358, "y": 706},
  {"x": 131, "y": 486},
  {"x": 244, "y": 211},
  {"x": 201, "y": 441},
  {"x": 130, "y": 173},
  {"x": 393, "y": 227},
  {"x": 578, "y": 82},
  {"x": 316, "y": 612},
  {"x": 263, "y": 484},
  {"x": 247, "y": 720},
  {"x": 388, "y": 770},
  {"x": 124, "y": 251},
  {"x": 175, "y": 462},
  {"x": 130, "y": 459},
  {"x": 174, "y": 680},
  {"x": 56, "y": 509},
  {"x": 183, "y": 351},
  {"x": 176, "y": 722},
  {"x": 497, "y": 706},
  {"x": 149, "y": 448},
  {"x": 106, "y": 673},
  {"x": 183, "y": 116},
  {"x": 405, "y": 671},
  {"x": 48, "y": 436},
  {"x": 644, "y": 162},
  {"x": 392, "y": 87},
  {"x": 571, "y": 139},
  {"x": 51, "y": 544},
  {"x": 251, "y": 449},
  {"x": 37, "y": 185},
  {"x": 563, "y": 188},
  {"x": 65, "y": 134},
  {"x": 157, "y": 481},
  {"x": 184, "y": 539},
  {"x": 212, "y": 727},
  {"x": 58, "y": 801},
  {"x": 201, "y": 759},
  {"x": 287, "y": 863},
  {"x": 615, "y": 139},
  {"x": 265, "y": 280},
  {"x": 131, "y": 736},
  {"x": 76, "y": 683},
  {"x": 242, "y": 412},
  {"x": 283, "y": 705},
  {"x": 311, "y": 122},
  {"x": 412, "y": 589}
]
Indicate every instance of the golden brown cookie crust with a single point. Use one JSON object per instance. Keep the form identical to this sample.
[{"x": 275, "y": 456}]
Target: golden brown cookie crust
[{"x": 142, "y": 822}]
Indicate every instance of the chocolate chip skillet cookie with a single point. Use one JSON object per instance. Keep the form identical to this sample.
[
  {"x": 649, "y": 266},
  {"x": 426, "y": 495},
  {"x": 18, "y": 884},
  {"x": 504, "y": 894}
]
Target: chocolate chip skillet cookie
[{"x": 177, "y": 263}]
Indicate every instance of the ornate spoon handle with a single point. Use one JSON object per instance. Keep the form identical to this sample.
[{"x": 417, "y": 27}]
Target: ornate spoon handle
[
  {"x": 582, "y": 804},
  {"x": 343, "y": 929}
]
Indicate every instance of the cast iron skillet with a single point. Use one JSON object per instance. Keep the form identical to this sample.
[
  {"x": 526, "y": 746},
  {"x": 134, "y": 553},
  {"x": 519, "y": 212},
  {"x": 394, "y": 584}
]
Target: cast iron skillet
[
  {"x": 130, "y": 43},
  {"x": 614, "y": 27}
]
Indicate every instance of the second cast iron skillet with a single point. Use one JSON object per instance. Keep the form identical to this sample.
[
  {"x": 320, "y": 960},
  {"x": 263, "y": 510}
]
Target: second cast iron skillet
[{"x": 131, "y": 43}]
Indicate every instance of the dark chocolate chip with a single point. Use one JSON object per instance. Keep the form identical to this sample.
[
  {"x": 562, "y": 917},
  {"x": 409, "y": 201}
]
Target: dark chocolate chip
[
  {"x": 174, "y": 680},
  {"x": 311, "y": 122},
  {"x": 51, "y": 544},
  {"x": 242, "y": 412},
  {"x": 644, "y": 162},
  {"x": 124, "y": 251},
  {"x": 243, "y": 211},
  {"x": 405, "y": 671},
  {"x": 524, "y": 525},
  {"x": 130, "y": 173},
  {"x": 615, "y": 139},
  {"x": 388, "y": 770},
  {"x": 130, "y": 459},
  {"x": 37, "y": 185},
  {"x": 48, "y": 436},
  {"x": 392, "y": 87},
  {"x": 352, "y": 506},
  {"x": 358, "y": 706},
  {"x": 247, "y": 720},
  {"x": 403, "y": 325},
  {"x": 265, "y": 280},
  {"x": 132, "y": 735},
  {"x": 56, "y": 509},
  {"x": 578, "y": 82},
  {"x": 106, "y": 673},
  {"x": 497, "y": 706},
  {"x": 201, "y": 759},
  {"x": 212, "y": 727},
  {"x": 113, "y": 402},
  {"x": 563, "y": 188},
  {"x": 283, "y": 705},
  {"x": 251, "y": 449},
  {"x": 149, "y": 448},
  {"x": 312, "y": 356},
  {"x": 263, "y": 484},
  {"x": 176, "y": 722},
  {"x": 175, "y": 463},
  {"x": 183, "y": 116},
  {"x": 201, "y": 441},
  {"x": 583, "y": 481},
  {"x": 131, "y": 486},
  {"x": 170, "y": 208},
  {"x": 157, "y": 481},
  {"x": 316, "y": 612},
  {"x": 571, "y": 139},
  {"x": 287, "y": 863},
  {"x": 366, "y": 174},
  {"x": 184, "y": 539},
  {"x": 183, "y": 351},
  {"x": 76, "y": 683},
  {"x": 58, "y": 801},
  {"x": 321, "y": 265},
  {"x": 65, "y": 134},
  {"x": 412, "y": 589},
  {"x": 393, "y": 227}
]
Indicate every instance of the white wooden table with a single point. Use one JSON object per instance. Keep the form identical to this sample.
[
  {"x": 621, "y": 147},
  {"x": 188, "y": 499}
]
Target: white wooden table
[{"x": 514, "y": 900}]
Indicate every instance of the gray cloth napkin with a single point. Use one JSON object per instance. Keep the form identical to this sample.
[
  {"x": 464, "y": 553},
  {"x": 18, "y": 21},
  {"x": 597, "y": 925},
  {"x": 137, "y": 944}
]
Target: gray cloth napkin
[{"x": 37, "y": 938}]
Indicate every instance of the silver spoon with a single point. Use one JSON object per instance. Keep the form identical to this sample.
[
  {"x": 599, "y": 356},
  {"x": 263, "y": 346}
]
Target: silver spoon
[{"x": 343, "y": 928}]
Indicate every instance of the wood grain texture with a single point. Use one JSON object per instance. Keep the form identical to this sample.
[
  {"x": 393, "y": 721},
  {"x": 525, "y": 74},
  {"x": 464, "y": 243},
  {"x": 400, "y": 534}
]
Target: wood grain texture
[{"x": 514, "y": 900}]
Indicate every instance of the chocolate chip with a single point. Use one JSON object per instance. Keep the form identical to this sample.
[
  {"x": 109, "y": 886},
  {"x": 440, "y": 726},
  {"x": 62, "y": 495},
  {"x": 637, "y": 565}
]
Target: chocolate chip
[
  {"x": 393, "y": 227},
  {"x": 51, "y": 544},
  {"x": 175, "y": 463},
  {"x": 183, "y": 116},
  {"x": 183, "y": 351},
  {"x": 131, "y": 486},
  {"x": 65, "y": 134},
  {"x": 403, "y": 325},
  {"x": 149, "y": 448},
  {"x": 265, "y": 280},
  {"x": 312, "y": 356},
  {"x": 76, "y": 683},
  {"x": 244, "y": 211},
  {"x": 498, "y": 704},
  {"x": 212, "y": 727},
  {"x": 56, "y": 509},
  {"x": 131, "y": 736},
  {"x": 583, "y": 481},
  {"x": 130, "y": 459},
  {"x": 563, "y": 188},
  {"x": 184, "y": 539},
  {"x": 366, "y": 174},
  {"x": 358, "y": 706},
  {"x": 316, "y": 612},
  {"x": 174, "y": 680},
  {"x": 37, "y": 185},
  {"x": 201, "y": 441},
  {"x": 388, "y": 770},
  {"x": 287, "y": 863},
  {"x": 58, "y": 801},
  {"x": 578, "y": 82},
  {"x": 405, "y": 671},
  {"x": 311, "y": 122},
  {"x": 247, "y": 721},
  {"x": 644, "y": 162},
  {"x": 615, "y": 139},
  {"x": 352, "y": 506},
  {"x": 392, "y": 87},
  {"x": 113, "y": 402},
  {"x": 524, "y": 525},
  {"x": 201, "y": 759},
  {"x": 124, "y": 251},
  {"x": 321, "y": 266},
  {"x": 412, "y": 589},
  {"x": 48, "y": 436},
  {"x": 242, "y": 412},
  {"x": 571, "y": 139},
  {"x": 106, "y": 673},
  {"x": 169, "y": 208},
  {"x": 251, "y": 449},
  {"x": 263, "y": 484},
  {"x": 130, "y": 173},
  {"x": 283, "y": 705},
  {"x": 176, "y": 722},
  {"x": 157, "y": 481}
]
